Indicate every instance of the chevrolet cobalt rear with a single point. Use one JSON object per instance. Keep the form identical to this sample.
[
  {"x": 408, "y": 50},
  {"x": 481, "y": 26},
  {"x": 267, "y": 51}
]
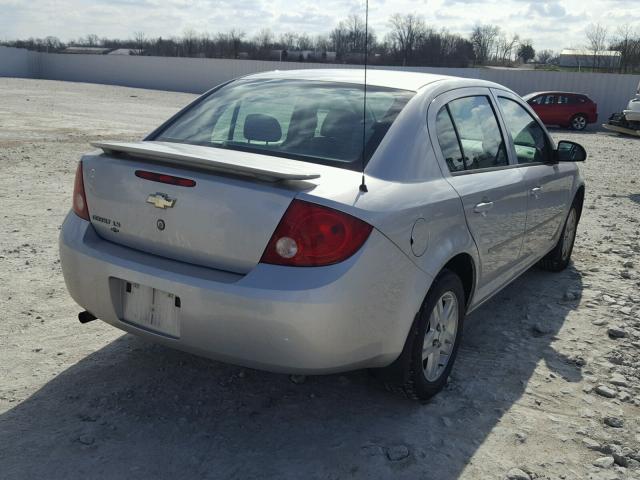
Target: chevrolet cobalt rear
[{"x": 282, "y": 223}]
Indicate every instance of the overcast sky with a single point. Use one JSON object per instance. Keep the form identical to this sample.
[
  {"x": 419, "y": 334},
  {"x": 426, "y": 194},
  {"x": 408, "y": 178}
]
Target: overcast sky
[{"x": 554, "y": 24}]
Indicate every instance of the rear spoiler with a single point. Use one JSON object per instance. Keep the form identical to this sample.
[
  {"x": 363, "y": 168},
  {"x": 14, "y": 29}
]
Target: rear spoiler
[{"x": 262, "y": 167}]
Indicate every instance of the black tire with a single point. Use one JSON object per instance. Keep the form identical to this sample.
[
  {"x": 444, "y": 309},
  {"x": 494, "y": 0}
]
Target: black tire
[
  {"x": 558, "y": 259},
  {"x": 407, "y": 374},
  {"x": 578, "y": 122}
]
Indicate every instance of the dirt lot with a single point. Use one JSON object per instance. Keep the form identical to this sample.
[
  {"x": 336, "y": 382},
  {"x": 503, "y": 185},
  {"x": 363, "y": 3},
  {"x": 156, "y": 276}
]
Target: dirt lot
[{"x": 547, "y": 384}]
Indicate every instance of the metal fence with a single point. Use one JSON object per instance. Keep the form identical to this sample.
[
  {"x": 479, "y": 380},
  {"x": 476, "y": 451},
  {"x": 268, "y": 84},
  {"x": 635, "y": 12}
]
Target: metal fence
[{"x": 611, "y": 91}]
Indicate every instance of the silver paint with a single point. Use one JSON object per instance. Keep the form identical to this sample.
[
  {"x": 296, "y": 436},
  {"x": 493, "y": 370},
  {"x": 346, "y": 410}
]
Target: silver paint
[{"x": 323, "y": 319}]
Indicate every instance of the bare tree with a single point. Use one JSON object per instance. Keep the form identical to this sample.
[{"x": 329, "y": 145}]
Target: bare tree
[
  {"x": 189, "y": 42},
  {"x": 505, "y": 48},
  {"x": 441, "y": 48},
  {"x": 140, "y": 41},
  {"x": 264, "y": 39},
  {"x": 483, "y": 38},
  {"x": 410, "y": 42},
  {"x": 52, "y": 44},
  {"x": 627, "y": 42},
  {"x": 597, "y": 40},
  {"x": 544, "y": 56},
  {"x": 236, "y": 36},
  {"x": 288, "y": 40},
  {"x": 91, "y": 40},
  {"x": 338, "y": 38},
  {"x": 356, "y": 33},
  {"x": 323, "y": 43},
  {"x": 406, "y": 31},
  {"x": 348, "y": 37},
  {"x": 304, "y": 42}
]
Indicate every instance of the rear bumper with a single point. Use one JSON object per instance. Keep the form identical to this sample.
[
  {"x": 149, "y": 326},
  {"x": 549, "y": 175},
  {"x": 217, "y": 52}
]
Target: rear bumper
[{"x": 295, "y": 320}]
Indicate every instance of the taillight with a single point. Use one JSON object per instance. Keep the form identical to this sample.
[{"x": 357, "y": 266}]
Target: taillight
[
  {"x": 311, "y": 235},
  {"x": 79, "y": 198}
]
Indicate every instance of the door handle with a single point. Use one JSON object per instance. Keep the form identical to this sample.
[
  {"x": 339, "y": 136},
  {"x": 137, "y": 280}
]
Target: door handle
[
  {"x": 483, "y": 207},
  {"x": 536, "y": 191}
]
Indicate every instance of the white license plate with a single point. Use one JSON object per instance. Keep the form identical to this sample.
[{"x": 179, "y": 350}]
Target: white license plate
[{"x": 151, "y": 308}]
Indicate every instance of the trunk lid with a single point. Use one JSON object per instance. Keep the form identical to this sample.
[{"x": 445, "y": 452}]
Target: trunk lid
[{"x": 224, "y": 221}]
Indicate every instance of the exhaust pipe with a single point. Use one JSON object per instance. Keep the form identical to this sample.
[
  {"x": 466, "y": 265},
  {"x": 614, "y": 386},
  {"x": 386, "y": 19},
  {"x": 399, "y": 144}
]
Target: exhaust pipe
[{"x": 86, "y": 317}]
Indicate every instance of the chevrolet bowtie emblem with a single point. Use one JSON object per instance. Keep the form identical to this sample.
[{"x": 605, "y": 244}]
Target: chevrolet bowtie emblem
[{"x": 161, "y": 200}]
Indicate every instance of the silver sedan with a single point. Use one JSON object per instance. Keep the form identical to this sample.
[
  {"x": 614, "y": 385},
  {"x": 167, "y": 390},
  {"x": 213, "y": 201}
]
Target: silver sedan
[{"x": 287, "y": 221}]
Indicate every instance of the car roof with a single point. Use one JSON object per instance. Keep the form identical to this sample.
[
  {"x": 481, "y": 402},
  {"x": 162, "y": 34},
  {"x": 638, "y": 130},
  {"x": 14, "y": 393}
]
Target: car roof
[{"x": 402, "y": 80}]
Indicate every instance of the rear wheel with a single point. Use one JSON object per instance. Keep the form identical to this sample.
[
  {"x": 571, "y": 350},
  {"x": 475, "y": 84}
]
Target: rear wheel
[
  {"x": 431, "y": 348},
  {"x": 579, "y": 122},
  {"x": 558, "y": 258}
]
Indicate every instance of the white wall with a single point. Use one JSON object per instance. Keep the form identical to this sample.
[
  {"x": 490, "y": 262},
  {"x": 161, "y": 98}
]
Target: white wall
[
  {"x": 18, "y": 62},
  {"x": 163, "y": 73},
  {"x": 611, "y": 91}
]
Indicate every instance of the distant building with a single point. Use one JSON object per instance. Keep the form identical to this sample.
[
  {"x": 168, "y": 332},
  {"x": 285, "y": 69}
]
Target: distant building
[
  {"x": 328, "y": 56},
  {"x": 573, "y": 58},
  {"x": 353, "y": 57},
  {"x": 302, "y": 55},
  {"x": 127, "y": 51},
  {"x": 87, "y": 50}
]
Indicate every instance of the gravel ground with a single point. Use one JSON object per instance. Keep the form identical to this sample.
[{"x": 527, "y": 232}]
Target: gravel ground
[{"x": 547, "y": 383}]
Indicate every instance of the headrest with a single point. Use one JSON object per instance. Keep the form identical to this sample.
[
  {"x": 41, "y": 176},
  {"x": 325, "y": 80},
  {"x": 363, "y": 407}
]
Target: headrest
[
  {"x": 340, "y": 123},
  {"x": 263, "y": 128},
  {"x": 302, "y": 126}
]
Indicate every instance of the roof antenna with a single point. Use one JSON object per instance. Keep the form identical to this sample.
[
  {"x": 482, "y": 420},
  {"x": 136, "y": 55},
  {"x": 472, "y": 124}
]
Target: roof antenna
[{"x": 363, "y": 186}]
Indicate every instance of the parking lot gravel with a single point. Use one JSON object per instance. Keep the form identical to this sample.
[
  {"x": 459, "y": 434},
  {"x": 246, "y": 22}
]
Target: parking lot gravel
[{"x": 546, "y": 386}]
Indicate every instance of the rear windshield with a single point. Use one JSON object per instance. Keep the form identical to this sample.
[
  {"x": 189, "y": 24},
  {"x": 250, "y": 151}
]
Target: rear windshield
[{"x": 318, "y": 122}]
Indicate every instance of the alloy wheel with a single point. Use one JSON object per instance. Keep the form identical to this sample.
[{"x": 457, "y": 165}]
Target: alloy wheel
[
  {"x": 579, "y": 122},
  {"x": 569, "y": 233},
  {"x": 440, "y": 336}
]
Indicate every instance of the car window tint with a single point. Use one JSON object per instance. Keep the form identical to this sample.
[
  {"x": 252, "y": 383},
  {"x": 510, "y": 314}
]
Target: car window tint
[
  {"x": 222, "y": 131},
  {"x": 277, "y": 107},
  {"x": 448, "y": 141},
  {"x": 563, "y": 99},
  {"x": 379, "y": 105},
  {"x": 528, "y": 136},
  {"x": 318, "y": 122},
  {"x": 480, "y": 136},
  {"x": 549, "y": 100}
]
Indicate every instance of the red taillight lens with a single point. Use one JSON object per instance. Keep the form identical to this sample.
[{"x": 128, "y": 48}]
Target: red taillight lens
[
  {"x": 163, "y": 178},
  {"x": 310, "y": 235},
  {"x": 79, "y": 198}
]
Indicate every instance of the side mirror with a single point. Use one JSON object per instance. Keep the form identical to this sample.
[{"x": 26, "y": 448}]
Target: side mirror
[{"x": 570, "y": 152}]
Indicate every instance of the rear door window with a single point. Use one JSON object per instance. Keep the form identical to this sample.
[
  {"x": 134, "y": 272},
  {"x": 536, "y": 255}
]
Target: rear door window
[
  {"x": 478, "y": 132},
  {"x": 448, "y": 141}
]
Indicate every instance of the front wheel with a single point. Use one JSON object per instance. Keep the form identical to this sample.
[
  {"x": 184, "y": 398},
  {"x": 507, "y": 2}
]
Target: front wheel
[
  {"x": 579, "y": 122},
  {"x": 431, "y": 348},
  {"x": 558, "y": 258}
]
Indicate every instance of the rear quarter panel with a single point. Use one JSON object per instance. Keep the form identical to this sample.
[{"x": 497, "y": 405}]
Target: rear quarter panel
[{"x": 405, "y": 189}]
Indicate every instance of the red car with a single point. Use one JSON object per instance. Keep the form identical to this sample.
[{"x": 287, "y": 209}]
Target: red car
[{"x": 574, "y": 110}]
